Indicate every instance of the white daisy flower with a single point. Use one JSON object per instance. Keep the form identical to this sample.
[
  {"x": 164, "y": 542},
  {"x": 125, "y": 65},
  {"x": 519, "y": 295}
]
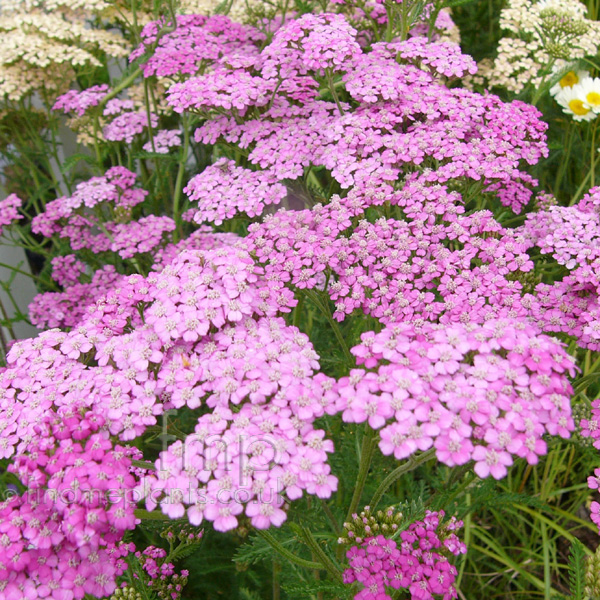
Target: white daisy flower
[
  {"x": 591, "y": 93},
  {"x": 572, "y": 99},
  {"x": 568, "y": 80}
]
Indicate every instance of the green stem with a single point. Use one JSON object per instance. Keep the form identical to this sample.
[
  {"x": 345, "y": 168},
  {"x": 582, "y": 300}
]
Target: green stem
[
  {"x": 96, "y": 146},
  {"x": 179, "y": 180},
  {"x": 411, "y": 464},
  {"x": 7, "y": 322},
  {"x": 565, "y": 159},
  {"x": 333, "y": 92},
  {"x": 18, "y": 313},
  {"x": 366, "y": 456},
  {"x": 594, "y": 152},
  {"x": 389, "y": 28},
  {"x": 21, "y": 272},
  {"x": 125, "y": 83},
  {"x": 593, "y": 367},
  {"x": 146, "y": 515},
  {"x": 142, "y": 464},
  {"x": 580, "y": 189},
  {"x": 329, "y": 565},
  {"x": 323, "y": 306},
  {"x": 336, "y": 526},
  {"x": 278, "y": 547},
  {"x": 298, "y": 311},
  {"x": 4, "y": 344}
]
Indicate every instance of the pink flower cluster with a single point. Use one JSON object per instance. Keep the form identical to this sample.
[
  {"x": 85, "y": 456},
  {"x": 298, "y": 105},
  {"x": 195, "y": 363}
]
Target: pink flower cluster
[
  {"x": 311, "y": 43},
  {"x": 111, "y": 196},
  {"x": 418, "y": 562},
  {"x": 487, "y": 393},
  {"x": 196, "y": 42},
  {"x": 161, "y": 574},
  {"x": 67, "y": 308},
  {"x": 127, "y": 125},
  {"x": 79, "y": 102},
  {"x": 398, "y": 269},
  {"x": 62, "y": 536},
  {"x": 137, "y": 237},
  {"x": 9, "y": 211},
  {"x": 163, "y": 141},
  {"x": 571, "y": 235},
  {"x": 401, "y": 117},
  {"x": 223, "y": 190},
  {"x": 115, "y": 186},
  {"x": 443, "y": 58},
  {"x": 260, "y": 454},
  {"x": 66, "y": 270}
]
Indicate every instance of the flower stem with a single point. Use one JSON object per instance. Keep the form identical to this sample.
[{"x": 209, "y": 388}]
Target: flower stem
[
  {"x": 329, "y": 565},
  {"x": 125, "y": 83},
  {"x": 594, "y": 152},
  {"x": 179, "y": 180},
  {"x": 322, "y": 305},
  {"x": 333, "y": 92},
  {"x": 366, "y": 456},
  {"x": 278, "y": 547},
  {"x": 146, "y": 515},
  {"x": 411, "y": 464}
]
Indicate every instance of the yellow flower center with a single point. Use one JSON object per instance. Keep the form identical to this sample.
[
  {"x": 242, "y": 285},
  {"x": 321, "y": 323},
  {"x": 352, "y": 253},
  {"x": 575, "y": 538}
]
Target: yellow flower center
[
  {"x": 593, "y": 98},
  {"x": 569, "y": 80},
  {"x": 577, "y": 107}
]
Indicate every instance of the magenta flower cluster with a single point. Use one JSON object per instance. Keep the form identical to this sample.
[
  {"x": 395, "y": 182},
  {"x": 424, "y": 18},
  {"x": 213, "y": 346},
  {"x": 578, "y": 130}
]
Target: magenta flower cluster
[
  {"x": 62, "y": 538},
  {"x": 161, "y": 573},
  {"x": 112, "y": 196},
  {"x": 197, "y": 41},
  {"x": 417, "y": 562}
]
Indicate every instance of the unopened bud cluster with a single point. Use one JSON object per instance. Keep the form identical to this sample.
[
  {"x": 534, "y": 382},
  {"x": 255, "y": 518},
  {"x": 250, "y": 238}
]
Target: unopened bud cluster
[
  {"x": 592, "y": 575},
  {"x": 560, "y": 23},
  {"x": 367, "y": 524},
  {"x": 126, "y": 593},
  {"x": 184, "y": 534},
  {"x": 160, "y": 572}
]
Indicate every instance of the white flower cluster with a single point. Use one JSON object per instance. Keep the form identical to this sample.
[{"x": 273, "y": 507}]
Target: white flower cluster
[
  {"x": 579, "y": 95},
  {"x": 538, "y": 34},
  {"x": 39, "y": 51}
]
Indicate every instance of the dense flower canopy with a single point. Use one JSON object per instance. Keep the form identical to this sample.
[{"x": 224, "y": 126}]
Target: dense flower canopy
[{"x": 333, "y": 165}]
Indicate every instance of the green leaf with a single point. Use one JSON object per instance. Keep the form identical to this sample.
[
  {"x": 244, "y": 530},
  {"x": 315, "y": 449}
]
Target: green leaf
[
  {"x": 577, "y": 569},
  {"x": 255, "y": 550},
  {"x": 146, "y": 155},
  {"x": 452, "y": 3},
  {"x": 74, "y": 159}
]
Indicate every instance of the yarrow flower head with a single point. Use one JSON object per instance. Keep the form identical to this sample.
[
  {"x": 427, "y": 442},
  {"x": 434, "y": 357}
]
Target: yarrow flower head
[
  {"x": 163, "y": 141},
  {"x": 485, "y": 393},
  {"x": 223, "y": 190},
  {"x": 79, "y": 102},
  {"x": 9, "y": 211},
  {"x": 416, "y": 561}
]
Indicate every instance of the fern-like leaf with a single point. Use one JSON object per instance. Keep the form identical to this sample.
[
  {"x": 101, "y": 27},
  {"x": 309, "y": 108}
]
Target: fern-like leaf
[{"x": 577, "y": 569}]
